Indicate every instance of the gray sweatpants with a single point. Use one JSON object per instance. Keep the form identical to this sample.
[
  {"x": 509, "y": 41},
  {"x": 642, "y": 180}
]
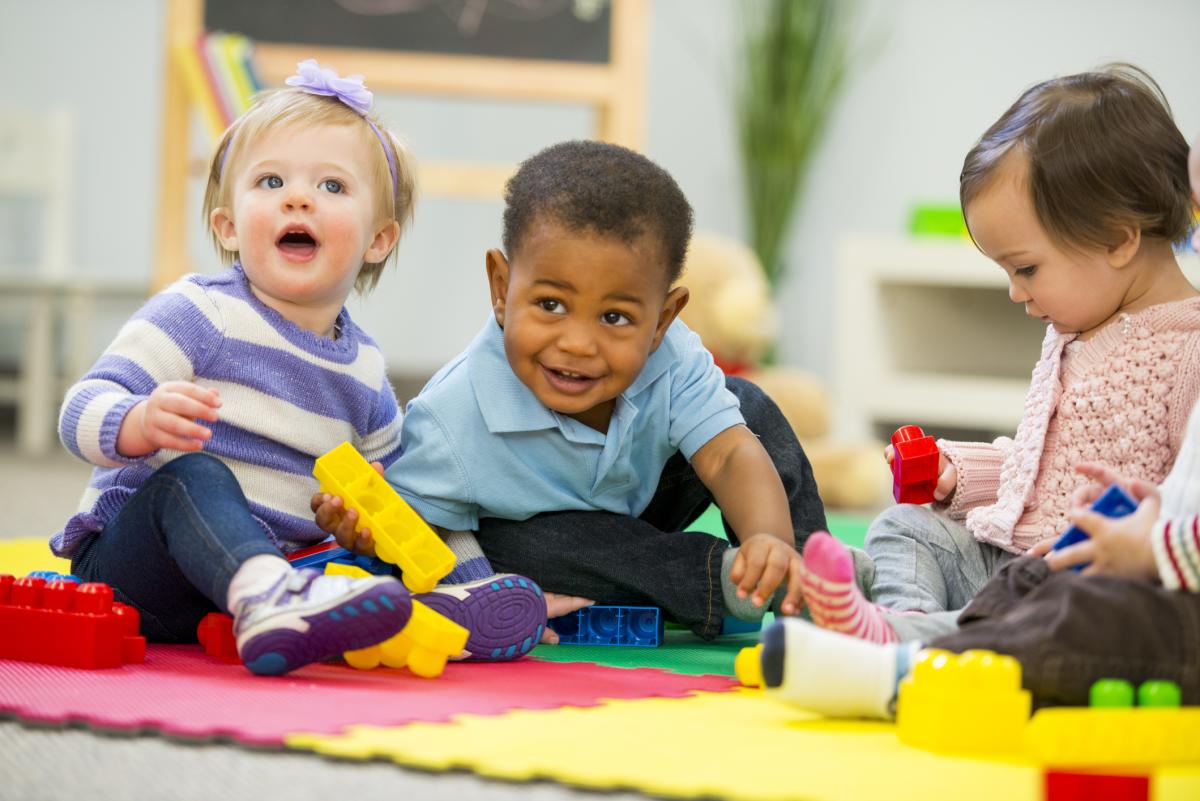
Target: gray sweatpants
[{"x": 924, "y": 567}]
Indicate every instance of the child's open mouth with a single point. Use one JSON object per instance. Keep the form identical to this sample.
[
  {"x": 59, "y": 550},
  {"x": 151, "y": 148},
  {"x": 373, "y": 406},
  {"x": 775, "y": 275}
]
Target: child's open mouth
[
  {"x": 297, "y": 245},
  {"x": 567, "y": 381}
]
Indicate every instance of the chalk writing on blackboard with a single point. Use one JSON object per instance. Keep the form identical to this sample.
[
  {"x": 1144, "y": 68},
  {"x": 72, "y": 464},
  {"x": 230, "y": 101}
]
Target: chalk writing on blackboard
[{"x": 560, "y": 30}]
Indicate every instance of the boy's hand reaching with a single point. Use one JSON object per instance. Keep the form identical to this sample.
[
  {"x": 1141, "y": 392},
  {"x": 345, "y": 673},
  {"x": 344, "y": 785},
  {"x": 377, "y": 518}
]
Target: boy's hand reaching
[
  {"x": 947, "y": 474},
  {"x": 763, "y": 563},
  {"x": 167, "y": 419},
  {"x": 557, "y": 606},
  {"x": 332, "y": 516}
]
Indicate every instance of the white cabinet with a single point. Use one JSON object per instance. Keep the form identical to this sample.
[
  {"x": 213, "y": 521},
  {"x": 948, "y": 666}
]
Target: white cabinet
[{"x": 924, "y": 333}]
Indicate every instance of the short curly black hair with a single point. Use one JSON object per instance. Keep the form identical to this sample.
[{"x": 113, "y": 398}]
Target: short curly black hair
[{"x": 601, "y": 188}]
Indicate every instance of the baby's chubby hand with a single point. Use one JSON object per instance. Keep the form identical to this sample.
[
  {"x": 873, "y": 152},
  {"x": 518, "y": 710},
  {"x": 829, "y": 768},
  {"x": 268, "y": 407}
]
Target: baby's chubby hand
[
  {"x": 763, "y": 562},
  {"x": 947, "y": 474},
  {"x": 558, "y": 605},
  {"x": 332, "y": 516}
]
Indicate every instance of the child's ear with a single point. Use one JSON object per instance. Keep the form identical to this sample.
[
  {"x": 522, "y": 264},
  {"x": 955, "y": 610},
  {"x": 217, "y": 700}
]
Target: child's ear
[
  {"x": 677, "y": 298},
  {"x": 497, "y": 272},
  {"x": 221, "y": 220},
  {"x": 1120, "y": 254},
  {"x": 385, "y": 239}
]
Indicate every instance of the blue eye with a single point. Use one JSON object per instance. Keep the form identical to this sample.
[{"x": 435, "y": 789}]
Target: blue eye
[
  {"x": 332, "y": 186},
  {"x": 1025, "y": 272},
  {"x": 270, "y": 182}
]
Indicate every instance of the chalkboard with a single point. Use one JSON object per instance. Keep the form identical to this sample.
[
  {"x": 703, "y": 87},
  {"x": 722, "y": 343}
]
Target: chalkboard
[{"x": 562, "y": 30}]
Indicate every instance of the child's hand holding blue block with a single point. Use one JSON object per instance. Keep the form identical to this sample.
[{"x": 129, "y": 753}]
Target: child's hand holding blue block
[{"x": 1115, "y": 502}]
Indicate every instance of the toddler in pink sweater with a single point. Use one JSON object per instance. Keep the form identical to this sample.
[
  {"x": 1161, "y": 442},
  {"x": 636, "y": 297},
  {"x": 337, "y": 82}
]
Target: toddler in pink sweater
[{"x": 1078, "y": 192}]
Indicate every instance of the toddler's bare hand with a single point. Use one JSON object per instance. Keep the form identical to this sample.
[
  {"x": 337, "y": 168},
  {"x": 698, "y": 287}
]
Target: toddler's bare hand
[
  {"x": 558, "y": 605},
  {"x": 167, "y": 419},
  {"x": 331, "y": 515},
  {"x": 764, "y": 562},
  {"x": 1116, "y": 546}
]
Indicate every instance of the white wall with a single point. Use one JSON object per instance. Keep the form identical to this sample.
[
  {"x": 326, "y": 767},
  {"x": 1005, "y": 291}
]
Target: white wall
[{"x": 935, "y": 73}]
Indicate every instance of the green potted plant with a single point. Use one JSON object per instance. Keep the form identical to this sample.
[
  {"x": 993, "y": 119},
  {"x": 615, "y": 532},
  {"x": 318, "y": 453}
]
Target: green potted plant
[{"x": 794, "y": 62}]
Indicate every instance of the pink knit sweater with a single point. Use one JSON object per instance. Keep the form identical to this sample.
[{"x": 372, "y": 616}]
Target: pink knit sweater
[{"x": 1121, "y": 398}]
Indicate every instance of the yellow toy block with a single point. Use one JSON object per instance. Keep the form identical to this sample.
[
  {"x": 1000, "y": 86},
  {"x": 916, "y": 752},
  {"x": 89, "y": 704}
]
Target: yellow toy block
[
  {"x": 401, "y": 536},
  {"x": 963, "y": 703},
  {"x": 1106, "y": 736},
  {"x": 423, "y": 645}
]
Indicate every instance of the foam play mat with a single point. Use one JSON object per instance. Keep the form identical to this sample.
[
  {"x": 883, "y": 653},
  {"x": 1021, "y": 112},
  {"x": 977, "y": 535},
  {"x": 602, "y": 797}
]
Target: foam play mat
[
  {"x": 666, "y": 721},
  {"x": 181, "y": 691}
]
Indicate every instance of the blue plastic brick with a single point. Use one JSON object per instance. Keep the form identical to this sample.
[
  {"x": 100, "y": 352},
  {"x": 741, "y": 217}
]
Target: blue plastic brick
[
  {"x": 731, "y": 625},
  {"x": 50, "y": 575},
  {"x": 317, "y": 560},
  {"x": 1113, "y": 503},
  {"x": 611, "y": 625}
]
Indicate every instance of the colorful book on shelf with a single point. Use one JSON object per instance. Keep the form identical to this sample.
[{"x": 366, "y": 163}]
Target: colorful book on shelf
[{"x": 220, "y": 76}]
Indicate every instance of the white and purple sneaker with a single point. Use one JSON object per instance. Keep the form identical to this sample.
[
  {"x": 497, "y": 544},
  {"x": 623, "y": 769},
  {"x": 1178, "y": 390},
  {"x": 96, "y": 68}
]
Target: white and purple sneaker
[
  {"x": 505, "y": 614},
  {"x": 309, "y": 617}
]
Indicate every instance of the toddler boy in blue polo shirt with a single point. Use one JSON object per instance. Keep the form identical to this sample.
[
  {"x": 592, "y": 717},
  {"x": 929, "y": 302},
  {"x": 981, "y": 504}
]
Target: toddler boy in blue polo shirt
[{"x": 585, "y": 426}]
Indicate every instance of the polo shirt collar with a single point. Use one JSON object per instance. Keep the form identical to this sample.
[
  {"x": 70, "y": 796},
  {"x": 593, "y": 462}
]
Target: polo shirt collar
[{"x": 508, "y": 406}]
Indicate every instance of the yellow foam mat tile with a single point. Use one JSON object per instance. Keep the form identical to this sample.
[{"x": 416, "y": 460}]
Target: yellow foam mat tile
[
  {"x": 21, "y": 557},
  {"x": 737, "y": 745}
]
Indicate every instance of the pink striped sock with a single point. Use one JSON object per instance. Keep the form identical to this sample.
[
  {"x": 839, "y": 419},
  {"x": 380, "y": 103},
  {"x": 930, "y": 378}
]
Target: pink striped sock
[{"x": 832, "y": 597}]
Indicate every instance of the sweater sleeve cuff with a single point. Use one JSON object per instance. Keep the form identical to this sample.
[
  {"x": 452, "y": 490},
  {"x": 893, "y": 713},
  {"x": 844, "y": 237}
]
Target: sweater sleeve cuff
[
  {"x": 978, "y": 466},
  {"x": 1177, "y": 553}
]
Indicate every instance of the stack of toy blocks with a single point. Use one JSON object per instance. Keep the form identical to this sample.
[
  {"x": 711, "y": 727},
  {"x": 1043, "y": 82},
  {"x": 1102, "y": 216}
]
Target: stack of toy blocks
[
  {"x": 1109, "y": 750},
  {"x": 65, "y": 623},
  {"x": 963, "y": 703},
  {"x": 915, "y": 459},
  {"x": 611, "y": 625}
]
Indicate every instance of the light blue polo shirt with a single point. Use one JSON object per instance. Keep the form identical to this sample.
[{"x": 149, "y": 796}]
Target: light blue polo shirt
[{"x": 478, "y": 443}]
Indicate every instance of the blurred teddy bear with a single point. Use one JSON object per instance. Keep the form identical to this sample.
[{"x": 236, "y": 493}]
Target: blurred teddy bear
[{"x": 732, "y": 311}]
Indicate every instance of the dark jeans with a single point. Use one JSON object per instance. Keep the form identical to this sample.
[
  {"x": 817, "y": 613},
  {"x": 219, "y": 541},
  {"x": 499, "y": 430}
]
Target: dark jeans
[
  {"x": 616, "y": 559},
  {"x": 174, "y": 546},
  {"x": 1068, "y": 631}
]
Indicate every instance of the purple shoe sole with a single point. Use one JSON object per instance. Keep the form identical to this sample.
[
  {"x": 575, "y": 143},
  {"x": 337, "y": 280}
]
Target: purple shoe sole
[
  {"x": 366, "y": 619},
  {"x": 504, "y": 614}
]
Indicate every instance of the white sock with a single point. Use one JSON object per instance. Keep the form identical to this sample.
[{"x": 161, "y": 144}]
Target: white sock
[
  {"x": 256, "y": 575},
  {"x": 831, "y": 673}
]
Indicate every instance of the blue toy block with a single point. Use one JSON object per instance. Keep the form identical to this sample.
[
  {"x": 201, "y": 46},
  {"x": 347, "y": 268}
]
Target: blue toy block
[
  {"x": 372, "y": 564},
  {"x": 50, "y": 575},
  {"x": 1113, "y": 503},
  {"x": 731, "y": 625},
  {"x": 317, "y": 555},
  {"x": 611, "y": 625}
]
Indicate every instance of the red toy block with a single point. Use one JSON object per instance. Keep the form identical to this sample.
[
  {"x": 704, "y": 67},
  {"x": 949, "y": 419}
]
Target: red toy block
[
  {"x": 68, "y": 624},
  {"x": 215, "y": 633},
  {"x": 1067, "y": 786},
  {"x": 914, "y": 465}
]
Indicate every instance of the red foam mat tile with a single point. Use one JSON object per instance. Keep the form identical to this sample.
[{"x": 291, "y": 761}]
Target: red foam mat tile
[{"x": 182, "y": 692}]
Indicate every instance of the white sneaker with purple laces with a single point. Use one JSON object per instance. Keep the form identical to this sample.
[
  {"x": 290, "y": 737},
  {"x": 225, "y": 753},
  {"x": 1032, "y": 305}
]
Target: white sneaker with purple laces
[{"x": 309, "y": 617}]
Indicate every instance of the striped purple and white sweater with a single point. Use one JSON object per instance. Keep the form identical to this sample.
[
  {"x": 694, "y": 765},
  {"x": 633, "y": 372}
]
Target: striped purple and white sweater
[{"x": 288, "y": 396}]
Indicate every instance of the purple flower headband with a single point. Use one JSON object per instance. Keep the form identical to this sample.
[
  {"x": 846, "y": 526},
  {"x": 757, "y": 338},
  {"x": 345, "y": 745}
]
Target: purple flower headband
[{"x": 314, "y": 79}]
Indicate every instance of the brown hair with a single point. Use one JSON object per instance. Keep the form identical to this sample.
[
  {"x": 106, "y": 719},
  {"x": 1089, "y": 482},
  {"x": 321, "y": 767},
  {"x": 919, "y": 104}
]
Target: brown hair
[
  {"x": 1103, "y": 153},
  {"x": 284, "y": 108}
]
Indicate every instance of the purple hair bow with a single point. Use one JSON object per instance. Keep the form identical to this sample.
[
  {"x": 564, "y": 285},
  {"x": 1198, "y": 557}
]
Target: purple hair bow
[{"x": 311, "y": 77}]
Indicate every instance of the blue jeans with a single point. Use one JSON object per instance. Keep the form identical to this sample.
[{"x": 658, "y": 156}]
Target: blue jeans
[
  {"x": 617, "y": 559},
  {"x": 173, "y": 548}
]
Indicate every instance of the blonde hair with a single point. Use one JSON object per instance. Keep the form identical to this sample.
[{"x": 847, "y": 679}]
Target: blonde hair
[{"x": 283, "y": 108}]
